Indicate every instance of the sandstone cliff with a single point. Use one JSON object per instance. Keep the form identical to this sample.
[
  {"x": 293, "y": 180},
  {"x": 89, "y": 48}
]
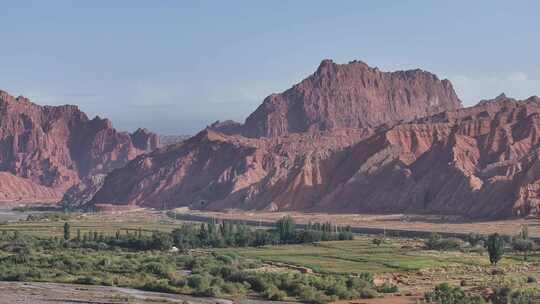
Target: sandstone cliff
[
  {"x": 57, "y": 146},
  {"x": 480, "y": 162},
  {"x": 286, "y": 160},
  {"x": 350, "y": 138},
  {"x": 353, "y": 95}
]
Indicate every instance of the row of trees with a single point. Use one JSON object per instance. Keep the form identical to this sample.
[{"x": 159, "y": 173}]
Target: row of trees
[
  {"x": 212, "y": 235},
  {"x": 228, "y": 234}
]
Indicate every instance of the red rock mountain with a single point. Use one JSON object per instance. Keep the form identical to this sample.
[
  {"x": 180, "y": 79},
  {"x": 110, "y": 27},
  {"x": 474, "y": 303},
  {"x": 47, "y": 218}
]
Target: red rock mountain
[
  {"x": 481, "y": 162},
  {"x": 347, "y": 148},
  {"x": 457, "y": 161},
  {"x": 44, "y": 150},
  {"x": 353, "y": 95}
]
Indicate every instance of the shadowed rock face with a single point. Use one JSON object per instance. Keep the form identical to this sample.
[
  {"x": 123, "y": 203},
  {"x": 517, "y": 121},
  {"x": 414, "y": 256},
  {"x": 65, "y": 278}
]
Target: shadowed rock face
[
  {"x": 55, "y": 147},
  {"x": 352, "y": 95}
]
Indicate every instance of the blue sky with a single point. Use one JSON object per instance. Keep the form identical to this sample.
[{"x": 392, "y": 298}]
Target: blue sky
[{"x": 176, "y": 66}]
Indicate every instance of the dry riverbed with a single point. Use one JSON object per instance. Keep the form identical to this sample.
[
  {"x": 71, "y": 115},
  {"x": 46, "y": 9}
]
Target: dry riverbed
[{"x": 47, "y": 293}]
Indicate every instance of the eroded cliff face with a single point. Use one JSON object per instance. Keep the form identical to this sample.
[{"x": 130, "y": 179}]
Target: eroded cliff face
[
  {"x": 215, "y": 170},
  {"x": 282, "y": 157},
  {"x": 350, "y": 138},
  {"x": 57, "y": 146},
  {"x": 353, "y": 95},
  {"x": 480, "y": 162}
]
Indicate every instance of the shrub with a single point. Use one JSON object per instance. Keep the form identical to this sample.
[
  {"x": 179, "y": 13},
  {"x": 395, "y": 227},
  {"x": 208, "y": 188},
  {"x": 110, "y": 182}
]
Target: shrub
[
  {"x": 387, "y": 288},
  {"x": 235, "y": 289},
  {"x": 377, "y": 241},
  {"x": 225, "y": 259},
  {"x": 274, "y": 294},
  {"x": 199, "y": 283},
  {"x": 474, "y": 239},
  {"x": 432, "y": 241},
  {"x": 87, "y": 280},
  {"x": 523, "y": 245},
  {"x": 156, "y": 268},
  {"x": 447, "y": 294},
  {"x": 436, "y": 242},
  {"x": 505, "y": 295},
  {"x": 159, "y": 286}
]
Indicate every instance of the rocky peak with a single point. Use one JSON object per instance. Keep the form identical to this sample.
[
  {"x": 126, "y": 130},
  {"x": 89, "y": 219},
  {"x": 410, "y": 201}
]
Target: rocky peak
[
  {"x": 353, "y": 95},
  {"x": 145, "y": 140},
  {"x": 226, "y": 127}
]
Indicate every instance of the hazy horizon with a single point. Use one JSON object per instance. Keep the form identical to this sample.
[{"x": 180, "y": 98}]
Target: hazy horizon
[{"x": 173, "y": 68}]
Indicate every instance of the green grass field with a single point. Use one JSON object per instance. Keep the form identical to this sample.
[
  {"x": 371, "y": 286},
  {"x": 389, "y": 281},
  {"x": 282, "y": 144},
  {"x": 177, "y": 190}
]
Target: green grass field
[
  {"x": 404, "y": 262},
  {"x": 362, "y": 256},
  {"x": 397, "y": 260},
  {"x": 102, "y": 223}
]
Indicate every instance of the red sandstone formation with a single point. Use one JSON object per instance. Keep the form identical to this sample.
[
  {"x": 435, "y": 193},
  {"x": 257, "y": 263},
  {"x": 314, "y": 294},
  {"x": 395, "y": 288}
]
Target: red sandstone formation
[
  {"x": 480, "y": 162},
  {"x": 23, "y": 190},
  {"x": 351, "y": 139},
  {"x": 44, "y": 150},
  {"x": 353, "y": 95}
]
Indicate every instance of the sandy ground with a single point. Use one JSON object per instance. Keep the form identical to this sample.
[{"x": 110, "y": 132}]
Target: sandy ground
[{"x": 393, "y": 221}]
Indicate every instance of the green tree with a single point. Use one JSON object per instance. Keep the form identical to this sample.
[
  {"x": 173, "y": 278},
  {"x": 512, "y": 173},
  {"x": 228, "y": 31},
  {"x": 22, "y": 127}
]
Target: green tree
[
  {"x": 495, "y": 247},
  {"x": 67, "y": 231},
  {"x": 286, "y": 228},
  {"x": 522, "y": 243}
]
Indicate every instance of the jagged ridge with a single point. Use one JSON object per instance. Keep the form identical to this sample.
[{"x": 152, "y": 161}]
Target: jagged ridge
[{"x": 57, "y": 146}]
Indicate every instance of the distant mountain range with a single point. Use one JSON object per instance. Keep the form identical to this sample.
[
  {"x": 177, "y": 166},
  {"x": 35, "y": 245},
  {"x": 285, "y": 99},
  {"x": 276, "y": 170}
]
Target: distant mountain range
[{"x": 348, "y": 138}]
